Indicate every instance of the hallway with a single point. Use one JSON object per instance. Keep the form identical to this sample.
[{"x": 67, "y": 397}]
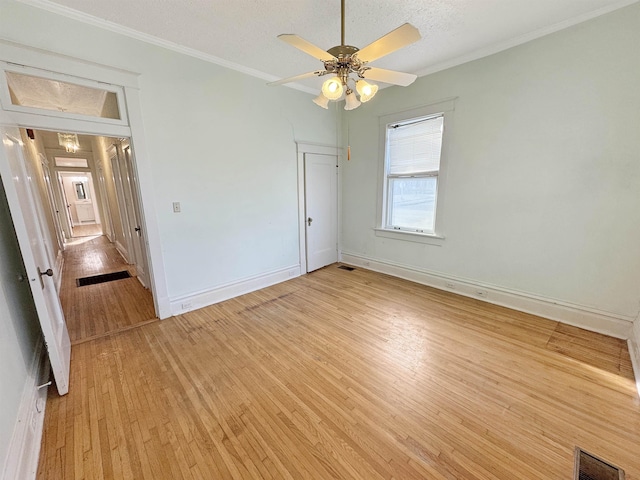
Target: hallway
[{"x": 93, "y": 311}]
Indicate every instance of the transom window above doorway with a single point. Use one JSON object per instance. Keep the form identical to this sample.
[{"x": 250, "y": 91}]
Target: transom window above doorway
[
  {"x": 37, "y": 92},
  {"x": 31, "y": 90}
]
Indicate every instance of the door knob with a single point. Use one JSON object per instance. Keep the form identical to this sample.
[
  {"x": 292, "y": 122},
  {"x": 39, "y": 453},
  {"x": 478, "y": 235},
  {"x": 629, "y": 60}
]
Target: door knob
[
  {"x": 48, "y": 272},
  {"x": 309, "y": 220}
]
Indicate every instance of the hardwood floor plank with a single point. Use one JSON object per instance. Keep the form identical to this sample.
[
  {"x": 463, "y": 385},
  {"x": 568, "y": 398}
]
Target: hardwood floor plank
[{"x": 346, "y": 375}]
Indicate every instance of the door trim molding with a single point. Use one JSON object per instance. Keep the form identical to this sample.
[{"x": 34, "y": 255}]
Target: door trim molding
[
  {"x": 303, "y": 148},
  {"x": 47, "y": 60}
]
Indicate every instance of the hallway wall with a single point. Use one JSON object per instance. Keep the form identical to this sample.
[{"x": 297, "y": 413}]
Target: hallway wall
[{"x": 101, "y": 157}]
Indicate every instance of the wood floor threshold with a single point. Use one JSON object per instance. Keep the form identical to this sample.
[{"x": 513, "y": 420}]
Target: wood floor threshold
[{"x": 114, "y": 332}]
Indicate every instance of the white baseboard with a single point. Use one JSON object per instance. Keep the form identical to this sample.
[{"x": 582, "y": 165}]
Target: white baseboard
[
  {"x": 186, "y": 303},
  {"x": 24, "y": 449},
  {"x": 122, "y": 251},
  {"x": 634, "y": 351},
  {"x": 608, "y": 323}
]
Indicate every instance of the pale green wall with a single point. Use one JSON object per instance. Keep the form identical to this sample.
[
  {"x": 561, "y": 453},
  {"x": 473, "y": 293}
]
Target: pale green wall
[
  {"x": 220, "y": 142},
  {"x": 543, "y": 189}
]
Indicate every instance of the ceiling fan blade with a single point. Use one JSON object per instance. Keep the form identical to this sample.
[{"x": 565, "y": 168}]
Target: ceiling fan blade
[
  {"x": 389, "y": 76},
  {"x": 400, "y": 37},
  {"x": 307, "y": 47},
  {"x": 296, "y": 78}
]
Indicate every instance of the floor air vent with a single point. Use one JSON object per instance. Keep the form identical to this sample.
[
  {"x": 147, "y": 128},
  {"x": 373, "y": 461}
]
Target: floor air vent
[
  {"x": 590, "y": 467},
  {"x": 345, "y": 267},
  {"x": 107, "y": 277}
]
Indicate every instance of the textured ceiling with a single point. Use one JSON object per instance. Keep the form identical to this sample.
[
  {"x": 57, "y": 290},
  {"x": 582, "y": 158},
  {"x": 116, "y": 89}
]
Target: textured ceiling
[
  {"x": 244, "y": 32},
  {"x": 50, "y": 141}
]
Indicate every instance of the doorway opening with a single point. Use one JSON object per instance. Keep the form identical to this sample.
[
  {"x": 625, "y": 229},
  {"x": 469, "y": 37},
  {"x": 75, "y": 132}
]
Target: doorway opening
[
  {"x": 81, "y": 99},
  {"x": 79, "y": 197},
  {"x": 91, "y": 209}
]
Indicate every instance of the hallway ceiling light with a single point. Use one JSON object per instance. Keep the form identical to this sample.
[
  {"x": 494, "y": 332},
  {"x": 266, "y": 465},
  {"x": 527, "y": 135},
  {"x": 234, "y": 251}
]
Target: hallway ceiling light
[{"x": 69, "y": 141}]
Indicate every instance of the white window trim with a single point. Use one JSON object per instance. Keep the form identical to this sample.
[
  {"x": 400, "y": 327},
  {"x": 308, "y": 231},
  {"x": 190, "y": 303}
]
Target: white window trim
[{"x": 446, "y": 108}]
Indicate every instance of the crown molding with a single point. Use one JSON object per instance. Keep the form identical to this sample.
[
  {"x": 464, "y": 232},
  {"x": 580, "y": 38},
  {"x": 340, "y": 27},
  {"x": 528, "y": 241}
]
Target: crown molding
[
  {"x": 514, "y": 42},
  {"x": 475, "y": 55},
  {"x": 153, "y": 40}
]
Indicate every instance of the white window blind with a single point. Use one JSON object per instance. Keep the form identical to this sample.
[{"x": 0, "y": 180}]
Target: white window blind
[{"x": 414, "y": 147}]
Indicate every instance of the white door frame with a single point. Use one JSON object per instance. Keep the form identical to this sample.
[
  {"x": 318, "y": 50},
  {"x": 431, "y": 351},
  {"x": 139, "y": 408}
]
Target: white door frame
[
  {"x": 135, "y": 214},
  {"x": 107, "y": 226},
  {"x": 114, "y": 152},
  {"x": 68, "y": 221},
  {"x": 55, "y": 211},
  {"x": 58, "y": 121},
  {"x": 303, "y": 148}
]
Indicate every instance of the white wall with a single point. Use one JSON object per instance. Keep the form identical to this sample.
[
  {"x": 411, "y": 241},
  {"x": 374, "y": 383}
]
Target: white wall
[
  {"x": 220, "y": 142},
  {"x": 542, "y": 191},
  {"x": 19, "y": 331}
]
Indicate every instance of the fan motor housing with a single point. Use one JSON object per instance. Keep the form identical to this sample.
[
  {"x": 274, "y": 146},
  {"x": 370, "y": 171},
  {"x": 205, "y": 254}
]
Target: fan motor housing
[{"x": 343, "y": 51}]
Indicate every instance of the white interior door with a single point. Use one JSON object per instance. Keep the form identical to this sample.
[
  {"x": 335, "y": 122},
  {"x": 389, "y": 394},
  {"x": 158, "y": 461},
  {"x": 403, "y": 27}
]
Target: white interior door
[
  {"x": 135, "y": 217},
  {"x": 321, "y": 207},
  {"x": 24, "y": 211},
  {"x": 46, "y": 172},
  {"x": 114, "y": 157}
]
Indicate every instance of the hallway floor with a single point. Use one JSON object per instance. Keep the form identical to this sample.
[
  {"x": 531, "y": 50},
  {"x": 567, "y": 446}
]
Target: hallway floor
[
  {"x": 89, "y": 230},
  {"x": 96, "y": 310}
]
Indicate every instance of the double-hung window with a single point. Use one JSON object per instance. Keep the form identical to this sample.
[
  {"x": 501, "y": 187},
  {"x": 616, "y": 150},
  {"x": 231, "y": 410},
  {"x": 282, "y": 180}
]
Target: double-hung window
[
  {"x": 412, "y": 165},
  {"x": 414, "y": 146}
]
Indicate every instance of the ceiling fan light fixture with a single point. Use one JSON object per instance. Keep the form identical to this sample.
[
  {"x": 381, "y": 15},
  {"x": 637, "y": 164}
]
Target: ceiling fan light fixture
[
  {"x": 351, "y": 100},
  {"x": 348, "y": 64},
  {"x": 332, "y": 88},
  {"x": 366, "y": 90},
  {"x": 321, "y": 101}
]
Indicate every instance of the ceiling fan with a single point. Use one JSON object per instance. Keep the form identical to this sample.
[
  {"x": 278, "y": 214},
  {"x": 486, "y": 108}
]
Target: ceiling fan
[{"x": 343, "y": 61}]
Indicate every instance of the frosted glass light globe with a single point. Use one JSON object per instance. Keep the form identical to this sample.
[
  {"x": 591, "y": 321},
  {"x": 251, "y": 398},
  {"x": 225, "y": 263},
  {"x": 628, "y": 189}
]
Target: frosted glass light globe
[{"x": 332, "y": 88}]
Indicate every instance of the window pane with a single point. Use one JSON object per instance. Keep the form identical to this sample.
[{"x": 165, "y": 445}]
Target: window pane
[
  {"x": 412, "y": 203},
  {"x": 415, "y": 146},
  {"x": 36, "y": 92}
]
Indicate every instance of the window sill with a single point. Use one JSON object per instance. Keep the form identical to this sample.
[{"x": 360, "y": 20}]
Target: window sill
[{"x": 428, "y": 238}]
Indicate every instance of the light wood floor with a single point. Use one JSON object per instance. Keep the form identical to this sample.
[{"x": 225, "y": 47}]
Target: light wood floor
[
  {"x": 349, "y": 375},
  {"x": 86, "y": 230},
  {"x": 96, "y": 310}
]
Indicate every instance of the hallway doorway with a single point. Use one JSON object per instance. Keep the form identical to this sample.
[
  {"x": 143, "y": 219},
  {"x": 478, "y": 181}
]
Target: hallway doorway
[{"x": 93, "y": 205}]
